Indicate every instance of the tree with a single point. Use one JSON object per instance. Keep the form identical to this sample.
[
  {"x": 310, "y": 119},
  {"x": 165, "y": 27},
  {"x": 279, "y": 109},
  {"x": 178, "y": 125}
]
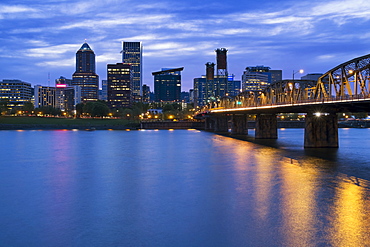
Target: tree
[
  {"x": 28, "y": 107},
  {"x": 96, "y": 109}
]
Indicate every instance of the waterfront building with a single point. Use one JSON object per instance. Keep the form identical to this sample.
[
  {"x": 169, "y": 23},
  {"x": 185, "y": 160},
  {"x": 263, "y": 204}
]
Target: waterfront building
[
  {"x": 45, "y": 96},
  {"x": 132, "y": 55},
  {"x": 119, "y": 86},
  {"x": 257, "y": 78},
  {"x": 146, "y": 93},
  {"x": 15, "y": 93},
  {"x": 67, "y": 97},
  {"x": 85, "y": 75},
  {"x": 167, "y": 85}
]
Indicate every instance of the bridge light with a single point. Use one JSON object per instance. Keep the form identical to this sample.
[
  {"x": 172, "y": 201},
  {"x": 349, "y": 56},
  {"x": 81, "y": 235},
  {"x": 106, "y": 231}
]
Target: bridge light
[
  {"x": 350, "y": 71},
  {"x": 317, "y": 114}
]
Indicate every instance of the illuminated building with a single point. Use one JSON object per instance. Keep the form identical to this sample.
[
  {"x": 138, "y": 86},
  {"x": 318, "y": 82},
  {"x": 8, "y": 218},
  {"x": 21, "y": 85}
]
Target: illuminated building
[
  {"x": 15, "y": 92},
  {"x": 119, "y": 85},
  {"x": 45, "y": 96},
  {"x": 85, "y": 75},
  {"x": 67, "y": 97},
  {"x": 167, "y": 85},
  {"x": 132, "y": 55},
  {"x": 63, "y": 80},
  {"x": 259, "y": 77}
]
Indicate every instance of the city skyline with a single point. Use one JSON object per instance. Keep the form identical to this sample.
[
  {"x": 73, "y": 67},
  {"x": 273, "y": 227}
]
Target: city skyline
[{"x": 39, "y": 38}]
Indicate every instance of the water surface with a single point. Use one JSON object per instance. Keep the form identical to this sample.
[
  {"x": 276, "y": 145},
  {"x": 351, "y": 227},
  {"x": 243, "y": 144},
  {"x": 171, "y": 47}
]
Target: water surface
[{"x": 182, "y": 188}]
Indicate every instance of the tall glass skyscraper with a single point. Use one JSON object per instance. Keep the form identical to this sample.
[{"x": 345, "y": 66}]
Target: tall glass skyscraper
[
  {"x": 132, "y": 54},
  {"x": 85, "y": 75}
]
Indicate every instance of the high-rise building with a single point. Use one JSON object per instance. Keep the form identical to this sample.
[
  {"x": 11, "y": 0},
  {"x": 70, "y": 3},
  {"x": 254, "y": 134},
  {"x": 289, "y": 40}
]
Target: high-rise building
[
  {"x": 146, "y": 93},
  {"x": 15, "y": 93},
  {"x": 167, "y": 84},
  {"x": 119, "y": 85},
  {"x": 259, "y": 77},
  {"x": 132, "y": 54},
  {"x": 85, "y": 75}
]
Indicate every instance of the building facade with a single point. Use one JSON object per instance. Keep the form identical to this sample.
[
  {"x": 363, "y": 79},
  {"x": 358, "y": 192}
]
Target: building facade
[
  {"x": 15, "y": 93},
  {"x": 85, "y": 75},
  {"x": 167, "y": 85},
  {"x": 146, "y": 93},
  {"x": 132, "y": 55},
  {"x": 45, "y": 96},
  {"x": 67, "y": 97},
  {"x": 257, "y": 78},
  {"x": 103, "y": 93},
  {"x": 119, "y": 85}
]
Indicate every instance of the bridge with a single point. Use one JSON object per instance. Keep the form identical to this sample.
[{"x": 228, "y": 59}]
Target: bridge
[{"x": 344, "y": 88}]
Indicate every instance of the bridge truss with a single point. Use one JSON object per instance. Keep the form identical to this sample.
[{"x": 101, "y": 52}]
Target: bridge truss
[{"x": 349, "y": 80}]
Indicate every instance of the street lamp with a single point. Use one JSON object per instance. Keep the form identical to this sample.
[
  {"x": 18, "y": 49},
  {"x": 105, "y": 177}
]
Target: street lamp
[{"x": 295, "y": 72}]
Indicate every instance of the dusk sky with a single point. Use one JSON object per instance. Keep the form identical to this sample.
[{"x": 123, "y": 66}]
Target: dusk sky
[{"x": 41, "y": 37}]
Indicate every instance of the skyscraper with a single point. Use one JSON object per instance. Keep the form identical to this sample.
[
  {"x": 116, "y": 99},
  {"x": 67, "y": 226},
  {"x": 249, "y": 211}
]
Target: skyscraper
[
  {"x": 119, "y": 85},
  {"x": 85, "y": 75},
  {"x": 132, "y": 54}
]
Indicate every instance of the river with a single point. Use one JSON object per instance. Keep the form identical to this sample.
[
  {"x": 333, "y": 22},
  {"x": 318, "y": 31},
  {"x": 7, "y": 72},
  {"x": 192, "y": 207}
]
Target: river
[{"x": 182, "y": 188}]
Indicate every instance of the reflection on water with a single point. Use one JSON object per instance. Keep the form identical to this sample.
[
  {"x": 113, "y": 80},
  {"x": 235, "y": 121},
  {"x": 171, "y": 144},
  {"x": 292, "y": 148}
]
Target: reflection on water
[{"x": 182, "y": 188}]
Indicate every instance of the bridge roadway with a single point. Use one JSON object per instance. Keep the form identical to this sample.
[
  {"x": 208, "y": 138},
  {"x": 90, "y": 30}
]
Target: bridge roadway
[{"x": 321, "y": 121}]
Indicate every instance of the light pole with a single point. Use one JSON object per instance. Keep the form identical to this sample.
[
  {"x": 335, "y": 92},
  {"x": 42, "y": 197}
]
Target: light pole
[
  {"x": 293, "y": 84},
  {"x": 295, "y": 72}
]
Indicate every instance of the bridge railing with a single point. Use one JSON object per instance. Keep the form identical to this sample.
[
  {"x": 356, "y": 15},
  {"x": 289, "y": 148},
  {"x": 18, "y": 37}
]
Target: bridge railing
[{"x": 237, "y": 104}]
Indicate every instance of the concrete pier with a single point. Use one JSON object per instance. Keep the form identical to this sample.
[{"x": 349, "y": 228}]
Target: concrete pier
[
  {"x": 321, "y": 131},
  {"x": 239, "y": 124},
  {"x": 221, "y": 123},
  {"x": 266, "y": 126}
]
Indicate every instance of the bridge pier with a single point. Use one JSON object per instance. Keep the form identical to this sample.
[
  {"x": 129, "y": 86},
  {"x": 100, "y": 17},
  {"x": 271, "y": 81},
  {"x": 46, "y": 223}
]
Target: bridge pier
[
  {"x": 266, "y": 126},
  {"x": 221, "y": 124},
  {"x": 208, "y": 123},
  {"x": 239, "y": 124},
  {"x": 321, "y": 131}
]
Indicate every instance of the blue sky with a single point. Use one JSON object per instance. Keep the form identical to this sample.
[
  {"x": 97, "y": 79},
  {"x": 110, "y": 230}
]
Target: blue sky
[{"x": 41, "y": 37}]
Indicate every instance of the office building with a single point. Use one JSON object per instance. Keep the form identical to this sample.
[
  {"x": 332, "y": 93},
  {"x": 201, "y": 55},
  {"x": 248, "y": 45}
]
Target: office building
[
  {"x": 64, "y": 81},
  {"x": 167, "y": 85},
  {"x": 15, "y": 93},
  {"x": 233, "y": 86},
  {"x": 45, "y": 96},
  {"x": 119, "y": 85},
  {"x": 85, "y": 75},
  {"x": 146, "y": 93},
  {"x": 257, "y": 78},
  {"x": 132, "y": 55},
  {"x": 67, "y": 97}
]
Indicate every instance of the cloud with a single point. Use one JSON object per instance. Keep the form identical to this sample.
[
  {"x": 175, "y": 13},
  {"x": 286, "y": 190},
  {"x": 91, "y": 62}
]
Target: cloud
[{"x": 52, "y": 51}]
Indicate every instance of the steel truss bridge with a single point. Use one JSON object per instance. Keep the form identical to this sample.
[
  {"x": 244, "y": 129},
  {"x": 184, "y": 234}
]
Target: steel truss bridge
[
  {"x": 338, "y": 89},
  {"x": 345, "y": 88}
]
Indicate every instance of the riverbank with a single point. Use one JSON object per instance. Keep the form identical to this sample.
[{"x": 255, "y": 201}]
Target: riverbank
[{"x": 14, "y": 123}]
